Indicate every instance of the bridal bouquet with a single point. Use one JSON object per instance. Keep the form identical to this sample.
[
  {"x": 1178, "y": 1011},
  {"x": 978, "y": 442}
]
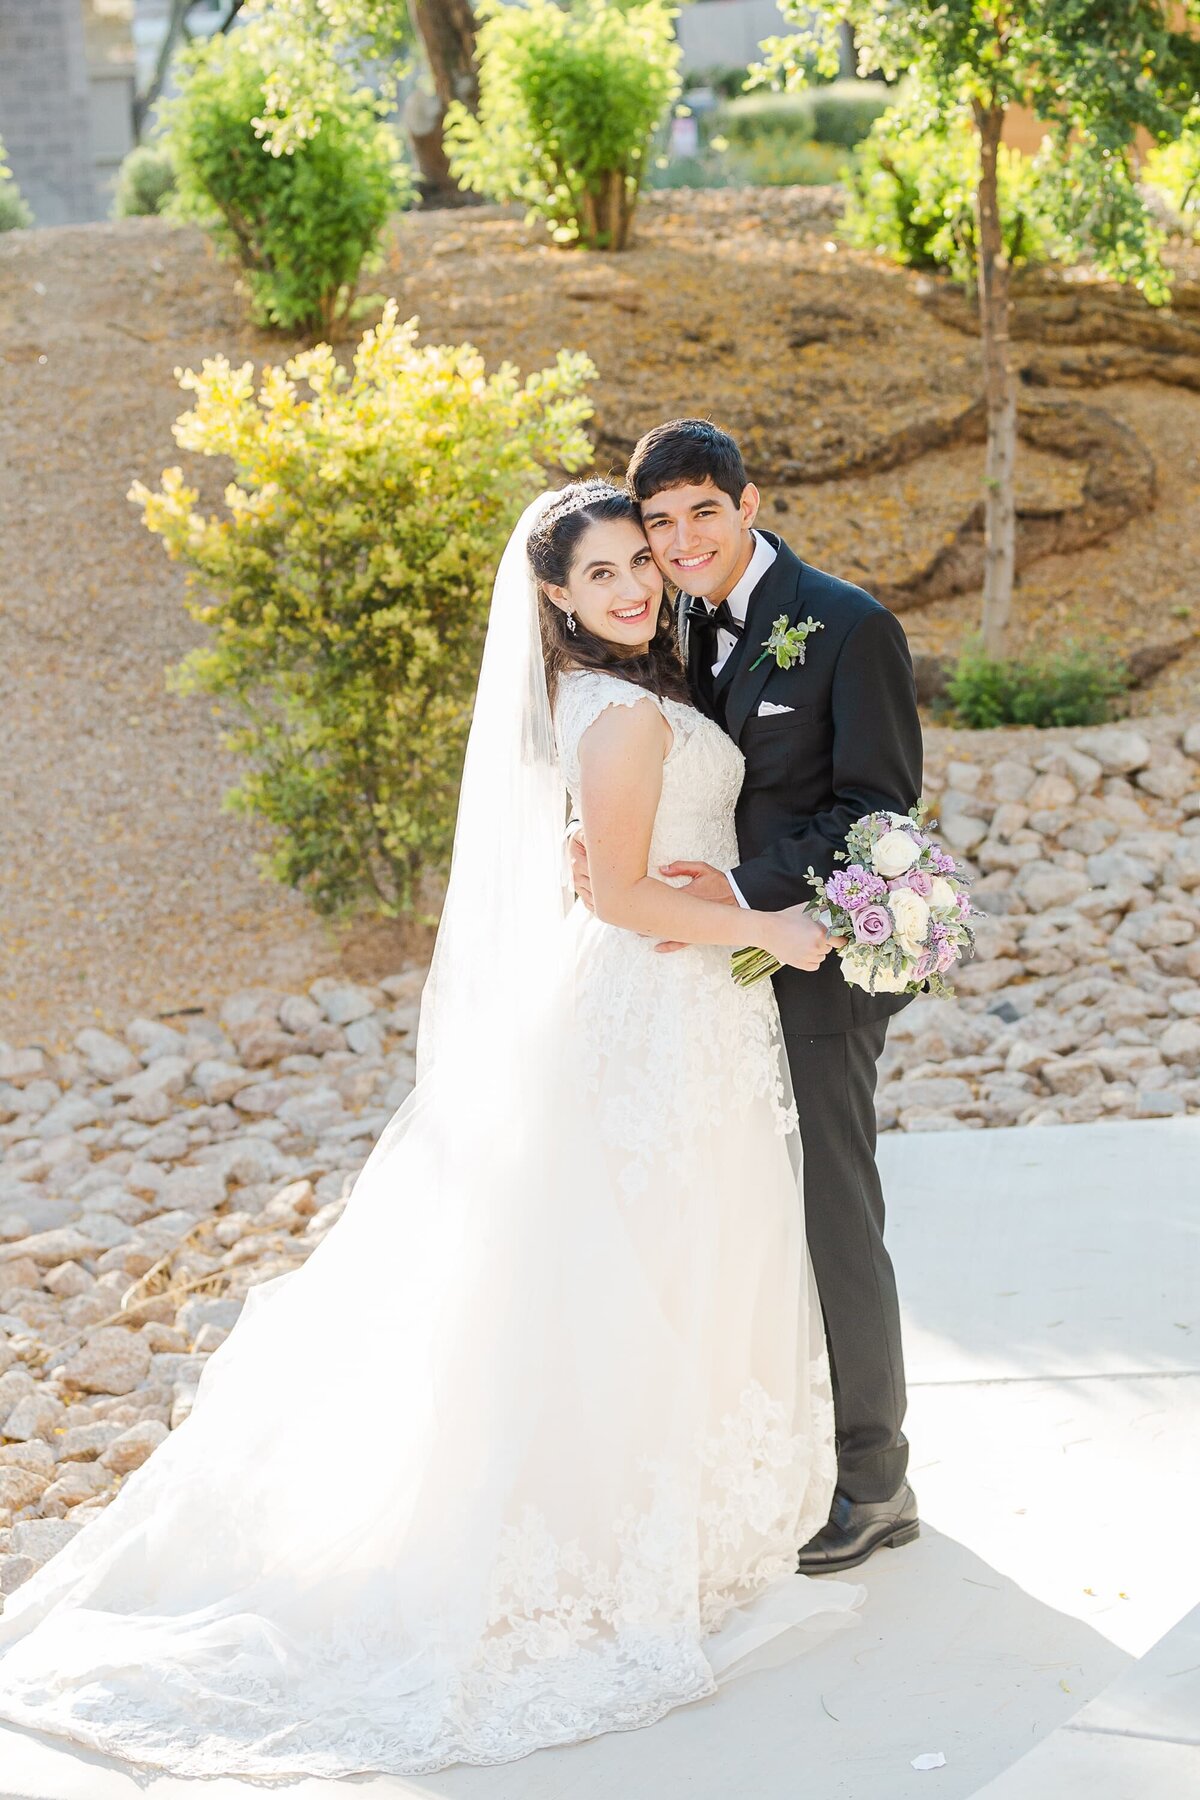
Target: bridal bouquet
[{"x": 900, "y": 903}]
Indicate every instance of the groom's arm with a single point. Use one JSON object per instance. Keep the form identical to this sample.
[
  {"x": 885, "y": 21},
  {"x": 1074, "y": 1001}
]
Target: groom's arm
[{"x": 877, "y": 760}]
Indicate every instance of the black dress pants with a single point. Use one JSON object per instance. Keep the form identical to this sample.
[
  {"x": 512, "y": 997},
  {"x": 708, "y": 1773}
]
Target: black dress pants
[{"x": 834, "y": 1077}]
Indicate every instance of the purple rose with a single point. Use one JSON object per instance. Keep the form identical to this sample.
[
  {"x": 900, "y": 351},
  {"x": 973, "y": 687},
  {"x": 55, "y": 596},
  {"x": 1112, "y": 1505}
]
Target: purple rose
[
  {"x": 872, "y": 924},
  {"x": 917, "y": 881}
]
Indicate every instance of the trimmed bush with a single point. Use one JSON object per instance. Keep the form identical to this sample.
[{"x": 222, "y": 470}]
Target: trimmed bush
[
  {"x": 569, "y": 101},
  {"x": 14, "y": 213},
  {"x": 842, "y": 112},
  {"x": 1073, "y": 687},
  {"x": 346, "y": 587},
  {"x": 145, "y": 182},
  {"x": 773, "y": 160},
  {"x": 305, "y": 221}
]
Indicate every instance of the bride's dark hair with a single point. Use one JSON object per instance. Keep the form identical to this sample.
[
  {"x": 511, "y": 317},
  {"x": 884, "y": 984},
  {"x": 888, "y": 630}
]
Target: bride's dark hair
[{"x": 552, "y": 545}]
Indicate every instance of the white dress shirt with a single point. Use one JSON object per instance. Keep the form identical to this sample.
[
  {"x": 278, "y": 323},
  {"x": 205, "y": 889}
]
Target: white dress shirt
[{"x": 739, "y": 600}]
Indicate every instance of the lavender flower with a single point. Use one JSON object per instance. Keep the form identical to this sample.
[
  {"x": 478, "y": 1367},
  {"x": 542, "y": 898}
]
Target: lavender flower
[{"x": 854, "y": 887}]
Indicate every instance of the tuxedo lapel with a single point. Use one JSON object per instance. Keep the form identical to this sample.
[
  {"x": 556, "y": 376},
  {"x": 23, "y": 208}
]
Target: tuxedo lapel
[{"x": 778, "y": 592}]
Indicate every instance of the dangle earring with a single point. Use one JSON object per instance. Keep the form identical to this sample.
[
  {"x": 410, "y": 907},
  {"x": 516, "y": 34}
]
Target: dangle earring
[{"x": 570, "y": 621}]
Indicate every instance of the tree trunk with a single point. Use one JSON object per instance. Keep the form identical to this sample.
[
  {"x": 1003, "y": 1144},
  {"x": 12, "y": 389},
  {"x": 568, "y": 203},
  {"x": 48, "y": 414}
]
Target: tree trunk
[
  {"x": 446, "y": 29},
  {"x": 1000, "y": 535}
]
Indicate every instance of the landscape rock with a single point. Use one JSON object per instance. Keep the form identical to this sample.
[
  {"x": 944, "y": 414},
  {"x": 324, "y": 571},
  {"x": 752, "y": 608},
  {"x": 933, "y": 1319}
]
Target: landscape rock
[
  {"x": 1119, "y": 749},
  {"x": 107, "y": 1057},
  {"x": 112, "y": 1361},
  {"x": 129, "y": 1450}
]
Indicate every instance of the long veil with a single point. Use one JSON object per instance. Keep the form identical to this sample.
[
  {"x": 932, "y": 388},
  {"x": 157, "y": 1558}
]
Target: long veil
[{"x": 383, "y": 1538}]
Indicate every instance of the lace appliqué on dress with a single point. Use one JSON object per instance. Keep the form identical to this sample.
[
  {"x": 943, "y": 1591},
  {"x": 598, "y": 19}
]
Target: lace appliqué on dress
[{"x": 655, "y": 1031}]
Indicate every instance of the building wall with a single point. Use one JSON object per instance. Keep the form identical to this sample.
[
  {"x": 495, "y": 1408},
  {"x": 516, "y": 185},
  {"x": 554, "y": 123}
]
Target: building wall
[
  {"x": 727, "y": 32},
  {"x": 66, "y": 91}
]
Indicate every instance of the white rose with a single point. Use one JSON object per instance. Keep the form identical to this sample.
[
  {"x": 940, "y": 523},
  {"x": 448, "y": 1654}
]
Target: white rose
[
  {"x": 911, "y": 914},
  {"x": 941, "y": 894},
  {"x": 892, "y": 981},
  {"x": 895, "y": 854},
  {"x": 858, "y": 963}
]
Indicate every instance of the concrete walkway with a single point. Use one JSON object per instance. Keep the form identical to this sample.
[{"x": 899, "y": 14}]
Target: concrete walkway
[{"x": 1051, "y": 1281}]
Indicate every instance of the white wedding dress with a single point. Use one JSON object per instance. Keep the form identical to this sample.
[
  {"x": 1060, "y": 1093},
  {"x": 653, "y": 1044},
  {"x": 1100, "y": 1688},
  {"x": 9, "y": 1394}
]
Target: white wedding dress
[{"x": 524, "y": 1452}]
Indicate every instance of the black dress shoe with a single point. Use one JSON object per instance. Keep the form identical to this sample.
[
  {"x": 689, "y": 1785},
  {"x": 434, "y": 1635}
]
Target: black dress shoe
[{"x": 856, "y": 1529}]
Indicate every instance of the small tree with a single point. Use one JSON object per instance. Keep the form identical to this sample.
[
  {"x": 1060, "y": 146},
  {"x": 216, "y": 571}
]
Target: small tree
[
  {"x": 1097, "y": 72},
  {"x": 569, "y": 101},
  {"x": 302, "y": 212},
  {"x": 346, "y": 588}
]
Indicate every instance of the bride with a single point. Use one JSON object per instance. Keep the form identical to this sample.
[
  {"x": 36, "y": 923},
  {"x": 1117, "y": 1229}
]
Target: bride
[{"x": 525, "y": 1450}]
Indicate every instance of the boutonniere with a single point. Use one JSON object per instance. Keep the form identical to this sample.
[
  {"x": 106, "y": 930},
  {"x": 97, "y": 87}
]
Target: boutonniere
[{"x": 788, "y": 643}]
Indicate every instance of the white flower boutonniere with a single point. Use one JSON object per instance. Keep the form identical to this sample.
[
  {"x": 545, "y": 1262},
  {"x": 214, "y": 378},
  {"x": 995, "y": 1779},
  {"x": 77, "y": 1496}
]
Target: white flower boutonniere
[{"x": 788, "y": 643}]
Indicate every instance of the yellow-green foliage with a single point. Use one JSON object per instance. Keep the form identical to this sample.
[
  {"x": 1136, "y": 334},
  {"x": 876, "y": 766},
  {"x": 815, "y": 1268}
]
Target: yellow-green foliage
[
  {"x": 569, "y": 101},
  {"x": 1174, "y": 170},
  {"x": 346, "y": 586}
]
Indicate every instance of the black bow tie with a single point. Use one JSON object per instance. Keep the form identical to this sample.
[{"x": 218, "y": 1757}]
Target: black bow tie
[{"x": 719, "y": 619}]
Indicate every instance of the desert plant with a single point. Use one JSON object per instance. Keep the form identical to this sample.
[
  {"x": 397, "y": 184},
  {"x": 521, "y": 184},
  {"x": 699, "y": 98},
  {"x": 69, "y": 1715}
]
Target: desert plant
[
  {"x": 346, "y": 587},
  {"x": 912, "y": 197},
  {"x": 1073, "y": 686},
  {"x": 145, "y": 182},
  {"x": 14, "y": 213},
  {"x": 302, "y": 218},
  {"x": 569, "y": 100}
]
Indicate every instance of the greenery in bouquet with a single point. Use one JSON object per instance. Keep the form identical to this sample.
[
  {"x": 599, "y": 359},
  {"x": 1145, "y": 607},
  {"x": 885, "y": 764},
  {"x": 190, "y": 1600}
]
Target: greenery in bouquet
[{"x": 900, "y": 903}]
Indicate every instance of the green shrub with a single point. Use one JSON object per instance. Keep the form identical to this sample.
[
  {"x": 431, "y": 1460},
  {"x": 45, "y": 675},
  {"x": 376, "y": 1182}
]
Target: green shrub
[
  {"x": 346, "y": 586},
  {"x": 911, "y": 196},
  {"x": 14, "y": 213},
  {"x": 569, "y": 101},
  {"x": 842, "y": 112},
  {"x": 1173, "y": 170},
  {"x": 302, "y": 222},
  {"x": 726, "y": 79},
  {"x": 145, "y": 182},
  {"x": 776, "y": 159},
  {"x": 1073, "y": 687}
]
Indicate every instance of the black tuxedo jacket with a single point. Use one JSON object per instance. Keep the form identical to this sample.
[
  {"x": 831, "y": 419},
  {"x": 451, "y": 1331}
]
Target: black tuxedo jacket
[{"x": 850, "y": 745}]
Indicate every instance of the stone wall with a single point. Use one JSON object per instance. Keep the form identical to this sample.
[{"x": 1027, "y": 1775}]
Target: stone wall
[{"x": 1084, "y": 1001}]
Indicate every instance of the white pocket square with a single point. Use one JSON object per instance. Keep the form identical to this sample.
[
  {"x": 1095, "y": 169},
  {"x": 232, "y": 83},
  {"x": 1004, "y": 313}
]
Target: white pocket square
[{"x": 768, "y": 706}]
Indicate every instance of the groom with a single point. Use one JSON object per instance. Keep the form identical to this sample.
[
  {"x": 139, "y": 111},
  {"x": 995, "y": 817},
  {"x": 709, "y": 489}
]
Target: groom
[{"x": 825, "y": 741}]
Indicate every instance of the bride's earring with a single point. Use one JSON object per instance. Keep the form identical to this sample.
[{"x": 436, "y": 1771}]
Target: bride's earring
[{"x": 570, "y": 621}]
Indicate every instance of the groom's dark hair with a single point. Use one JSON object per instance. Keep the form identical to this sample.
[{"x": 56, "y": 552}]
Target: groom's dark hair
[{"x": 685, "y": 451}]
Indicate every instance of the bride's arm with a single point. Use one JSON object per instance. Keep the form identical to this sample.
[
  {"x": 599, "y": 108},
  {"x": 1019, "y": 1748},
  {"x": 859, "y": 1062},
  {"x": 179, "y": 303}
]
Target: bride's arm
[{"x": 621, "y": 769}]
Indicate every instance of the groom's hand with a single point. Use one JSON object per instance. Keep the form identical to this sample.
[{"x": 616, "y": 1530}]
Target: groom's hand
[
  {"x": 705, "y": 882},
  {"x": 580, "y": 879}
]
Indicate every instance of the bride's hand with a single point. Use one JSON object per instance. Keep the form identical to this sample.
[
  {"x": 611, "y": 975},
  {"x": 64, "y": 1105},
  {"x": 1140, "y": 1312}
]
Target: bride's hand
[{"x": 797, "y": 938}]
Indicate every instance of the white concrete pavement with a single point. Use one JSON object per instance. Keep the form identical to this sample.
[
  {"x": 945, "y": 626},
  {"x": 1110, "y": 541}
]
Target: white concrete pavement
[{"x": 1051, "y": 1280}]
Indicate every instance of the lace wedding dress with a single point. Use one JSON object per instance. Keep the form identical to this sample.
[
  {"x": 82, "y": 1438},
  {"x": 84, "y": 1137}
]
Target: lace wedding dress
[{"x": 524, "y": 1452}]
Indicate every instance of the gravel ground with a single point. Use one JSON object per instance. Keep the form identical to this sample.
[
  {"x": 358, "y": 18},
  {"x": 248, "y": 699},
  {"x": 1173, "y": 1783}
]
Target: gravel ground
[{"x": 124, "y": 886}]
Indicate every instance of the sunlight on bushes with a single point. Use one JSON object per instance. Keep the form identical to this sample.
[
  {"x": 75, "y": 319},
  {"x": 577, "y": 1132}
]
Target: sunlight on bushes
[{"x": 346, "y": 587}]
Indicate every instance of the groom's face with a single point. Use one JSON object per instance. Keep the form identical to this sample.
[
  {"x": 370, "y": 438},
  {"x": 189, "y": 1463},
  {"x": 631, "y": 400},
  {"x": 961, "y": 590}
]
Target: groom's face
[{"x": 700, "y": 537}]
